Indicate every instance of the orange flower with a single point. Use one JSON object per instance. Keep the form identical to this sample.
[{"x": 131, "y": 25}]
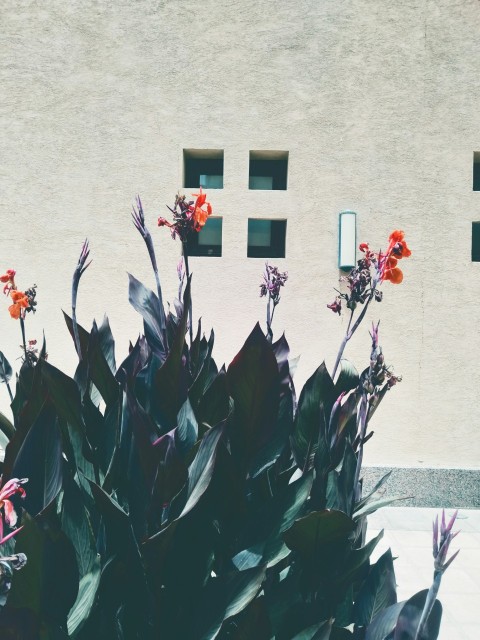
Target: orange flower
[
  {"x": 20, "y": 302},
  {"x": 200, "y": 215}
]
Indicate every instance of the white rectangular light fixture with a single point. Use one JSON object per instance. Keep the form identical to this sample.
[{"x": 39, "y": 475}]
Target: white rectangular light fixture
[{"x": 347, "y": 240}]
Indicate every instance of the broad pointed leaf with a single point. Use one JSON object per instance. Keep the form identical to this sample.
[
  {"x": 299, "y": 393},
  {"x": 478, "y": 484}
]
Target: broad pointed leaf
[
  {"x": 377, "y": 592},
  {"x": 146, "y": 302},
  {"x": 5, "y": 369}
]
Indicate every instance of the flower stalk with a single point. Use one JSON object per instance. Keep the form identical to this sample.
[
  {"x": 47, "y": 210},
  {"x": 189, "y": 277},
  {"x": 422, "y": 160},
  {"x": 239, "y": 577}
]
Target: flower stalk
[
  {"x": 82, "y": 265},
  {"x": 441, "y": 546}
]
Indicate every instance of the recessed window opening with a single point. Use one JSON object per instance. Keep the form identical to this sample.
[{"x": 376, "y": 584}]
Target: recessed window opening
[
  {"x": 475, "y": 241},
  {"x": 203, "y": 168},
  {"x": 476, "y": 171},
  {"x": 268, "y": 170},
  {"x": 208, "y": 241},
  {"x": 266, "y": 238}
]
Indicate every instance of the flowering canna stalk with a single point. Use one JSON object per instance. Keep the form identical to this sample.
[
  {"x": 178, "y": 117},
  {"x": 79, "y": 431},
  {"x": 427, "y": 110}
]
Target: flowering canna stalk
[
  {"x": 441, "y": 545},
  {"x": 22, "y": 302},
  {"x": 188, "y": 216},
  {"x": 273, "y": 280},
  {"x": 365, "y": 279}
]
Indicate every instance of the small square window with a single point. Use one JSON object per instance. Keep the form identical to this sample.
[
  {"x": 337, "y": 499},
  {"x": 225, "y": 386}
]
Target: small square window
[
  {"x": 476, "y": 171},
  {"x": 208, "y": 241},
  {"x": 475, "y": 241},
  {"x": 203, "y": 168},
  {"x": 268, "y": 170},
  {"x": 266, "y": 238}
]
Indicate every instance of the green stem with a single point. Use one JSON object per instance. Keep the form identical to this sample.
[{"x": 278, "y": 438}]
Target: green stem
[
  {"x": 22, "y": 327},
  {"x": 429, "y": 602},
  {"x": 187, "y": 273}
]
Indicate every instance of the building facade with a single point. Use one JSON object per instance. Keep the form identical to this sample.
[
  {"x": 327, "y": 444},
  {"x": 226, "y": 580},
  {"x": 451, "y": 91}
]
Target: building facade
[{"x": 371, "y": 107}]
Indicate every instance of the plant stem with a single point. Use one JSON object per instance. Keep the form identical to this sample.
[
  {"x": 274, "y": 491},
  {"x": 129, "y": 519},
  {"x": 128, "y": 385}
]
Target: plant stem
[
  {"x": 22, "y": 327},
  {"x": 362, "y": 424},
  {"x": 187, "y": 272},
  {"x": 9, "y": 391},
  {"x": 343, "y": 344},
  {"x": 269, "y": 320},
  {"x": 429, "y": 602}
]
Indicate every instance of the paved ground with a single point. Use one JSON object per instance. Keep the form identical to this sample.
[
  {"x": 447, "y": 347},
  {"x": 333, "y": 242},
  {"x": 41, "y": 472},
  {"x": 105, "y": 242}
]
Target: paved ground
[{"x": 408, "y": 532}]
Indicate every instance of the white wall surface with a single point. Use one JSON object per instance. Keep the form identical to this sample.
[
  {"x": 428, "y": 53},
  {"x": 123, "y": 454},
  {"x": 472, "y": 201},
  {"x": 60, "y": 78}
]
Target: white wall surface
[{"x": 378, "y": 105}]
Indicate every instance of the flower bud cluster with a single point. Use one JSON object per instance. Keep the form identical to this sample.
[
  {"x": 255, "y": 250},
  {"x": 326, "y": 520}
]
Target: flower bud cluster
[{"x": 273, "y": 280}]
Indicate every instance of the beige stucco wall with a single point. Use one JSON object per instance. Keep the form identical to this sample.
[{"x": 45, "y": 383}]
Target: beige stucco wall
[{"x": 378, "y": 105}]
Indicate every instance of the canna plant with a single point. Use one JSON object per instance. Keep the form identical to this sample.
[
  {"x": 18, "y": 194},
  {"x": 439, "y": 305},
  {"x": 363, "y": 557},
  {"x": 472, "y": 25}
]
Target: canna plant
[{"x": 170, "y": 498}]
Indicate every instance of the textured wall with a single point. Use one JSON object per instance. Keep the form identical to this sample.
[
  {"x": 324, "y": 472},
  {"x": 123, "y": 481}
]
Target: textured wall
[{"x": 377, "y": 104}]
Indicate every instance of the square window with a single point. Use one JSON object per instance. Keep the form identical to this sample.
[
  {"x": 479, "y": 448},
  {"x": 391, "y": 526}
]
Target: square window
[
  {"x": 203, "y": 168},
  {"x": 268, "y": 170},
  {"x": 475, "y": 241},
  {"x": 476, "y": 171},
  {"x": 266, "y": 238},
  {"x": 208, "y": 241}
]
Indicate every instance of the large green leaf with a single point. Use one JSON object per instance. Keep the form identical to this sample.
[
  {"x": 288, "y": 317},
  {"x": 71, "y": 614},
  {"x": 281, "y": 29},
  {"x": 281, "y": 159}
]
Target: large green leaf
[
  {"x": 201, "y": 470},
  {"x": 223, "y": 597},
  {"x": 77, "y": 526},
  {"x": 361, "y": 503},
  {"x": 319, "y": 631},
  {"x": 99, "y": 368},
  {"x": 409, "y": 618},
  {"x": 214, "y": 405},
  {"x": 383, "y": 625},
  {"x": 254, "y": 384},
  {"x": 170, "y": 384},
  {"x": 357, "y": 560},
  {"x": 318, "y": 528},
  {"x": 348, "y": 378},
  {"x": 48, "y": 584},
  {"x": 276, "y": 517},
  {"x": 250, "y": 624},
  {"x": 40, "y": 460},
  {"x": 377, "y": 592},
  {"x": 186, "y": 433},
  {"x": 87, "y": 593},
  {"x": 314, "y": 406},
  {"x": 146, "y": 302}
]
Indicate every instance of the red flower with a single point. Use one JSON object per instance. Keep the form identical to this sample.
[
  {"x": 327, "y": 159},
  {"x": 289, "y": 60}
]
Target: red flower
[{"x": 9, "y": 278}]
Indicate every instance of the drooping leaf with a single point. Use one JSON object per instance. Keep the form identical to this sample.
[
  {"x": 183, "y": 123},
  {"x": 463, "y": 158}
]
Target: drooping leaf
[
  {"x": 253, "y": 383},
  {"x": 314, "y": 406},
  {"x": 146, "y": 302},
  {"x": 319, "y": 631},
  {"x": 40, "y": 460},
  {"x": 377, "y": 592}
]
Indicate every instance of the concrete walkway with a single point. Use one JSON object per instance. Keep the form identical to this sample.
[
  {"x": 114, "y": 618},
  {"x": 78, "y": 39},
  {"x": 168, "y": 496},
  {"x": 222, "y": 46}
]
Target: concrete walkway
[{"x": 408, "y": 532}]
